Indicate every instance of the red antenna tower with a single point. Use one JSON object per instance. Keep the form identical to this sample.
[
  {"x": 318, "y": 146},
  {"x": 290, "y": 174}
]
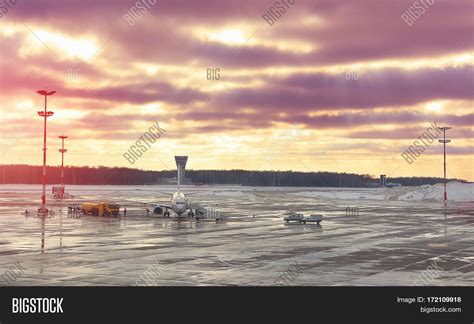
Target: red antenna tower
[
  {"x": 45, "y": 114},
  {"x": 62, "y": 150},
  {"x": 444, "y": 141}
]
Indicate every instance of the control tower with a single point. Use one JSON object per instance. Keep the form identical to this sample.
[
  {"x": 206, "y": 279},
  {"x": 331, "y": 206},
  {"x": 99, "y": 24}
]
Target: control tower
[
  {"x": 181, "y": 178},
  {"x": 181, "y": 165}
]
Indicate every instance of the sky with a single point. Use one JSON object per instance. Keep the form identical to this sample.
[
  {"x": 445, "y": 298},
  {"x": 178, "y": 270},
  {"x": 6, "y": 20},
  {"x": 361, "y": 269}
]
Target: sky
[{"x": 332, "y": 85}]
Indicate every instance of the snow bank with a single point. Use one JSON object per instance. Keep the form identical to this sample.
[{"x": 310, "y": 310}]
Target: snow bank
[
  {"x": 457, "y": 191},
  {"x": 370, "y": 194}
]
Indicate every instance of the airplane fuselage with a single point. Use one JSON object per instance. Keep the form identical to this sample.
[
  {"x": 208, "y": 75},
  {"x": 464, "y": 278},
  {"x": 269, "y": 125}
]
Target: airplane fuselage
[{"x": 179, "y": 203}]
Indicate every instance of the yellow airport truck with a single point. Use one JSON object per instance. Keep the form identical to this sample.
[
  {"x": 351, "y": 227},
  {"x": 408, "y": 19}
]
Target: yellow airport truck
[{"x": 100, "y": 209}]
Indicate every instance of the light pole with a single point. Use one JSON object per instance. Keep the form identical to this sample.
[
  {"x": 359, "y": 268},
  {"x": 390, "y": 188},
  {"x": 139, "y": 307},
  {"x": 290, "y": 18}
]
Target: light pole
[
  {"x": 62, "y": 151},
  {"x": 45, "y": 114},
  {"x": 444, "y": 141}
]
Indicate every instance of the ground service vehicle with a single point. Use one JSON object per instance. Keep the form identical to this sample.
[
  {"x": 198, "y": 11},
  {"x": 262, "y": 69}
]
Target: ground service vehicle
[
  {"x": 100, "y": 209},
  {"x": 299, "y": 218}
]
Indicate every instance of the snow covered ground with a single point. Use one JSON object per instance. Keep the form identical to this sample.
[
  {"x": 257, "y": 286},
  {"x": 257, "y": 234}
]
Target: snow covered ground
[{"x": 457, "y": 191}]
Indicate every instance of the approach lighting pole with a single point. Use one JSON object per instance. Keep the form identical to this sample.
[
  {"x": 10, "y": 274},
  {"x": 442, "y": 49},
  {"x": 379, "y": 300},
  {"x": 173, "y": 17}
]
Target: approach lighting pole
[
  {"x": 62, "y": 150},
  {"x": 45, "y": 114},
  {"x": 444, "y": 141}
]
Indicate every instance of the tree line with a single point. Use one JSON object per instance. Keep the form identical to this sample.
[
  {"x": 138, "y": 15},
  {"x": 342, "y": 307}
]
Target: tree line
[{"x": 29, "y": 174}]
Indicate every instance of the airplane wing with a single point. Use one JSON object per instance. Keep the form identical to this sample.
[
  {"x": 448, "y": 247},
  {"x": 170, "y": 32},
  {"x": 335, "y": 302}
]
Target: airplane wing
[
  {"x": 199, "y": 208},
  {"x": 163, "y": 192},
  {"x": 207, "y": 211},
  {"x": 190, "y": 193},
  {"x": 151, "y": 204}
]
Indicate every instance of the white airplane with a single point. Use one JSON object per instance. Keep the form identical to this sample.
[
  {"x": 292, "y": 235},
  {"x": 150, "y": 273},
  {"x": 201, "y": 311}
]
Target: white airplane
[{"x": 179, "y": 203}]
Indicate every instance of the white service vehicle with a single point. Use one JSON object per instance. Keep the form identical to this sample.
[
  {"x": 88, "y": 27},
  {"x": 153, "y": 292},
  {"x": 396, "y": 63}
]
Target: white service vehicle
[
  {"x": 315, "y": 218},
  {"x": 301, "y": 219}
]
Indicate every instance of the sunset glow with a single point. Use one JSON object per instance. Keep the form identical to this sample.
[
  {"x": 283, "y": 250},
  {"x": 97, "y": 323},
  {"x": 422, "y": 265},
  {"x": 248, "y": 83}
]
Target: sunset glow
[{"x": 359, "y": 83}]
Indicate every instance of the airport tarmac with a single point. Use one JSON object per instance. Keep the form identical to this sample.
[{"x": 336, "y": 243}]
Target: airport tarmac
[{"x": 390, "y": 243}]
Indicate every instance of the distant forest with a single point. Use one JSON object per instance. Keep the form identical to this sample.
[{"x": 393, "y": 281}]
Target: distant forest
[{"x": 27, "y": 174}]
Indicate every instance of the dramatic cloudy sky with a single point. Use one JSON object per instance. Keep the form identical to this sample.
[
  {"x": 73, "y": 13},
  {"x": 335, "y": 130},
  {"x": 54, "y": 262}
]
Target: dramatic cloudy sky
[{"x": 333, "y": 85}]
